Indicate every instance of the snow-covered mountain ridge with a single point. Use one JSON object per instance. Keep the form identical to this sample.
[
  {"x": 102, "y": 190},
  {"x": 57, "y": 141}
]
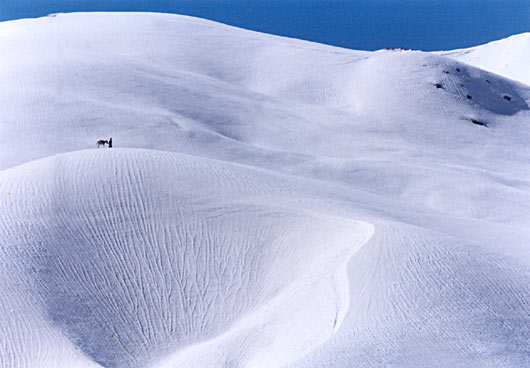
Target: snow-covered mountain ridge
[
  {"x": 509, "y": 57},
  {"x": 268, "y": 202}
]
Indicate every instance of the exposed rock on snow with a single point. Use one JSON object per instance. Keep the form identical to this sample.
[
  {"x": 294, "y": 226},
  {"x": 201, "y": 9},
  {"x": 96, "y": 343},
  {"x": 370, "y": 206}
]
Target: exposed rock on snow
[{"x": 509, "y": 57}]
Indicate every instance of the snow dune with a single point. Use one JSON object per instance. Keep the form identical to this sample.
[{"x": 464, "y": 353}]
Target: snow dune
[
  {"x": 134, "y": 252},
  {"x": 269, "y": 202}
]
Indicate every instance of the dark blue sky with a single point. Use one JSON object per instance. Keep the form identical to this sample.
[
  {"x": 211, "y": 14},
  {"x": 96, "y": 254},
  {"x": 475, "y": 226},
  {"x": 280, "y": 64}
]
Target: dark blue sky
[{"x": 366, "y": 24}]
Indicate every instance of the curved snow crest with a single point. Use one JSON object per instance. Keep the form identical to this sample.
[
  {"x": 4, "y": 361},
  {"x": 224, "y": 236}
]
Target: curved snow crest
[
  {"x": 132, "y": 254},
  {"x": 279, "y": 332}
]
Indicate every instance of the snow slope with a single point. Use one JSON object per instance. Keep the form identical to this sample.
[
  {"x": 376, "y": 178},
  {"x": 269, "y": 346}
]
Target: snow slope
[
  {"x": 129, "y": 267},
  {"x": 269, "y": 202},
  {"x": 509, "y": 57}
]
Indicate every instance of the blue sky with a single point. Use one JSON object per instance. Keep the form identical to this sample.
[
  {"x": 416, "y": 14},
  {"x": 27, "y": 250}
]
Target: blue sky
[{"x": 367, "y": 24}]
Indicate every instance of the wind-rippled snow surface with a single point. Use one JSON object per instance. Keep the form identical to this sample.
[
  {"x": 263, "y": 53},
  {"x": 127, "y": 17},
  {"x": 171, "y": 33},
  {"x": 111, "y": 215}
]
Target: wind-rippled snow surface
[{"x": 268, "y": 202}]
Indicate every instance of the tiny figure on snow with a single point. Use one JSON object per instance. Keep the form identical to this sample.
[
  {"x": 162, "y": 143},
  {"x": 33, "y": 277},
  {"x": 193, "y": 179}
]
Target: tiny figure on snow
[{"x": 101, "y": 142}]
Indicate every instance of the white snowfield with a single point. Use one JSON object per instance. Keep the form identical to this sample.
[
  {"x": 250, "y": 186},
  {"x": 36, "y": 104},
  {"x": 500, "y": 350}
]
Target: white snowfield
[{"x": 268, "y": 202}]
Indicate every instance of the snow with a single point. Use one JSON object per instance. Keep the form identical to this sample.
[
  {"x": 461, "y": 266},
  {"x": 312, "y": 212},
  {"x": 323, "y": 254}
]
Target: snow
[
  {"x": 509, "y": 57},
  {"x": 268, "y": 202}
]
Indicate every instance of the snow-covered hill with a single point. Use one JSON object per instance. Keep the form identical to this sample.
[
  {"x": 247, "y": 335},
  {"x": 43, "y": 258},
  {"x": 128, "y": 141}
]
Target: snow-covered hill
[
  {"x": 268, "y": 202},
  {"x": 509, "y": 57}
]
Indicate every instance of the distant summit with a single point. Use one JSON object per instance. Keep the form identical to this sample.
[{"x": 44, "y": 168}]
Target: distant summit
[{"x": 509, "y": 57}]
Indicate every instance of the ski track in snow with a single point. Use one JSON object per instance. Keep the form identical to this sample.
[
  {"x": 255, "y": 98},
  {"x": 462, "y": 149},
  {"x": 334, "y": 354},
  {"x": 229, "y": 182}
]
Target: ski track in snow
[{"x": 269, "y": 202}]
